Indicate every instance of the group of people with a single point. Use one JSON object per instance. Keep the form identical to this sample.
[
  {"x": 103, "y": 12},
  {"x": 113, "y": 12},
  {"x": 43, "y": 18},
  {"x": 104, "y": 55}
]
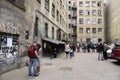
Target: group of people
[
  {"x": 87, "y": 47},
  {"x": 34, "y": 54},
  {"x": 70, "y": 49},
  {"x": 100, "y": 48},
  {"x": 102, "y": 51}
]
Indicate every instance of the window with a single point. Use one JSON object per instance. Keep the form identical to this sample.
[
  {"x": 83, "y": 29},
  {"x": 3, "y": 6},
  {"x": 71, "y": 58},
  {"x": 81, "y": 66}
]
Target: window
[
  {"x": 74, "y": 4},
  {"x": 87, "y": 12},
  {"x": 36, "y": 26},
  {"x": 69, "y": 2},
  {"x": 53, "y": 32},
  {"x": 19, "y": 3},
  {"x": 99, "y": 21},
  {"x": 60, "y": 4},
  {"x": 69, "y": 16},
  {"x": 69, "y": 7},
  {"x": 53, "y": 10},
  {"x": 46, "y": 30},
  {"x": 74, "y": 22},
  {"x": 99, "y": 30},
  {"x": 99, "y": 12},
  {"x": 93, "y": 3},
  {"x": 60, "y": 19},
  {"x": 87, "y": 30},
  {"x": 47, "y": 5},
  {"x": 99, "y": 4},
  {"x": 94, "y": 12},
  {"x": 80, "y": 12},
  {"x": 94, "y": 30},
  {"x": 81, "y": 21},
  {"x": 58, "y": 34},
  {"x": 74, "y": 30},
  {"x": 87, "y": 3},
  {"x": 57, "y": 15},
  {"x": 27, "y": 35},
  {"x": 81, "y": 30},
  {"x": 39, "y": 1},
  {"x": 74, "y": 13},
  {"x": 99, "y": 40},
  {"x": 93, "y": 21},
  {"x": 81, "y": 4},
  {"x": 87, "y": 21},
  {"x": 87, "y": 39},
  {"x": 69, "y": 25}
]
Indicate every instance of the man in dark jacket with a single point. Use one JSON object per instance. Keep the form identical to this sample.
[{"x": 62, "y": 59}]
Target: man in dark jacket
[{"x": 100, "y": 51}]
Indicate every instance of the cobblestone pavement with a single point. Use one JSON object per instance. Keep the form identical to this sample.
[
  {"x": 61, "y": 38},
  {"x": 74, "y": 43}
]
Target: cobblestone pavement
[{"x": 84, "y": 66}]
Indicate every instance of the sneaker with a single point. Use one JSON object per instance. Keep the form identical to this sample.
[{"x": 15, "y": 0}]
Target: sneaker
[
  {"x": 35, "y": 75},
  {"x": 30, "y": 75}
]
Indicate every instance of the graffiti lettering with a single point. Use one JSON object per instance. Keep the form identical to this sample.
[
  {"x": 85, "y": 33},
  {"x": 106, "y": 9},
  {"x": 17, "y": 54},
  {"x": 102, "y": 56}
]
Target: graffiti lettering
[{"x": 8, "y": 27}]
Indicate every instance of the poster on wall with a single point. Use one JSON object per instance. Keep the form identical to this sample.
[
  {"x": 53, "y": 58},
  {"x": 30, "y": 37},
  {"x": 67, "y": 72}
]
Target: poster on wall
[
  {"x": 9, "y": 41},
  {"x": 3, "y": 40}
]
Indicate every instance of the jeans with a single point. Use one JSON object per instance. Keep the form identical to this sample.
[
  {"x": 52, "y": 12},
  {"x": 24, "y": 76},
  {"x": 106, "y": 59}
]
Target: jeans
[
  {"x": 33, "y": 62},
  {"x": 100, "y": 56}
]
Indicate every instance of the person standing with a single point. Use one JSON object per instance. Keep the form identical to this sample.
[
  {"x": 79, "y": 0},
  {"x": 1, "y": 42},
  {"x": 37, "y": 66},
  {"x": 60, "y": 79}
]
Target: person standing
[
  {"x": 72, "y": 49},
  {"x": 105, "y": 51},
  {"x": 67, "y": 50},
  {"x": 78, "y": 46},
  {"x": 39, "y": 59},
  {"x": 88, "y": 47},
  {"x": 33, "y": 59},
  {"x": 100, "y": 51}
]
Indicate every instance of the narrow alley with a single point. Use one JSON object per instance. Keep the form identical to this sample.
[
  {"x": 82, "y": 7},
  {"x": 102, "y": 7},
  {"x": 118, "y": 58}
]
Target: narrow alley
[{"x": 84, "y": 66}]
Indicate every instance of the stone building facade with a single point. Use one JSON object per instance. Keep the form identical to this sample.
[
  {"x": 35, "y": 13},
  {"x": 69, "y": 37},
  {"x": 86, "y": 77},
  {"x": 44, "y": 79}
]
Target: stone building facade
[
  {"x": 112, "y": 20},
  {"x": 90, "y": 21},
  {"x": 23, "y": 21}
]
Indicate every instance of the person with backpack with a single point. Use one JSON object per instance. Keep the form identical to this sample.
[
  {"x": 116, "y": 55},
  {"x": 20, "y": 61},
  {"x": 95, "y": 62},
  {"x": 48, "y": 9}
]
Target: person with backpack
[{"x": 33, "y": 59}]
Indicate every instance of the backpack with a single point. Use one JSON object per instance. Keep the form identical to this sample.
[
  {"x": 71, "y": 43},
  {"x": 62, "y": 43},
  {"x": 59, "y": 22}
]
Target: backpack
[{"x": 31, "y": 52}]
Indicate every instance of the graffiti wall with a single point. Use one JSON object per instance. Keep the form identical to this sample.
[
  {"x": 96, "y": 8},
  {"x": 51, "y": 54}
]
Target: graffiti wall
[{"x": 9, "y": 36}]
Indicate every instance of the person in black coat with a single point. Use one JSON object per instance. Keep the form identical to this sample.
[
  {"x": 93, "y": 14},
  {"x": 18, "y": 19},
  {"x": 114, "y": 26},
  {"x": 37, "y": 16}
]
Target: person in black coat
[{"x": 100, "y": 51}]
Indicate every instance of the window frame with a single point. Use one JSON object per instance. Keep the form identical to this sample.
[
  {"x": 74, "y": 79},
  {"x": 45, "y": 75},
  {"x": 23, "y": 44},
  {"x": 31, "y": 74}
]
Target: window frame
[
  {"x": 80, "y": 12},
  {"x": 47, "y": 5},
  {"x": 81, "y": 21},
  {"x": 81, "y": 30},
  {"x": 53, "y": 10},
  {"x": 88, "y": 21},
  {"x": 88, "y": 30},
  {"x": 87, "y": 3},
  {"x": 80, "y": 3},
  {"x": 94, "y": 30}
]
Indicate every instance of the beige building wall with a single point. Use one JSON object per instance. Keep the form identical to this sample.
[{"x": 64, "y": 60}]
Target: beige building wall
[
  {"x": 84, "y": 35},
  {"x": 113, "y": 20},
  {"x": 45, "y": 16},
  {"x": 19, "y": 24},
  {"x": 69, "y": 20}
]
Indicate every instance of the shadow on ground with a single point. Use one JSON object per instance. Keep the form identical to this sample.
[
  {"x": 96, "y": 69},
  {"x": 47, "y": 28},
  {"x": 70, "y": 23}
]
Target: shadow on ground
[{"x": 116, "y": 62}]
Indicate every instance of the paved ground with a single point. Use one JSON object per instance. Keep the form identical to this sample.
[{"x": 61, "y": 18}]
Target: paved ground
[{"x": 84, "y": 66}]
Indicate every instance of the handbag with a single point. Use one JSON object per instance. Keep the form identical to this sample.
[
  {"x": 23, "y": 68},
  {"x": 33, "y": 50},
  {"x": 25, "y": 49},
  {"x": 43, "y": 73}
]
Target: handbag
[
  {"x": 27, "y": 63},
  {"x": 38, "y": 69}
]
